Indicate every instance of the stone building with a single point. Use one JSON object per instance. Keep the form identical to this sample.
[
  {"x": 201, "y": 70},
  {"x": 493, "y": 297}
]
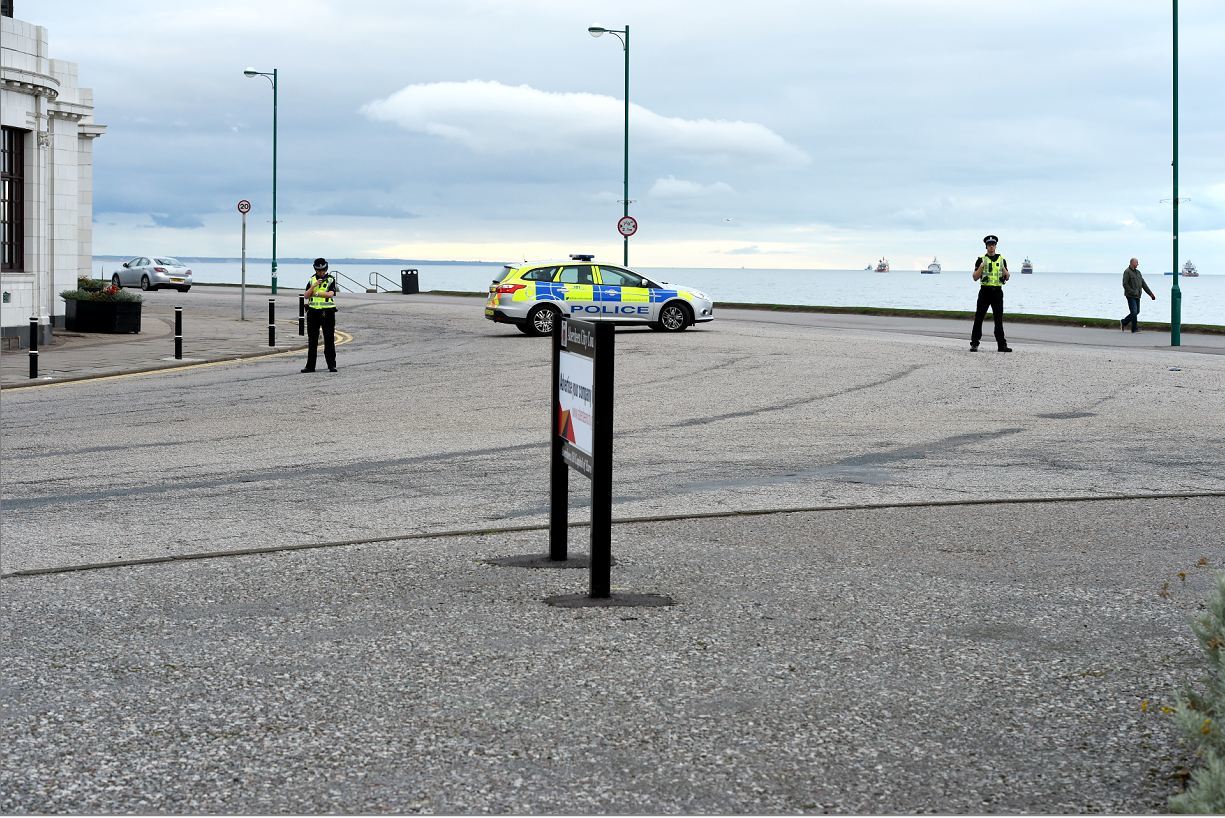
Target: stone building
[{"x": 46, "y": 179}]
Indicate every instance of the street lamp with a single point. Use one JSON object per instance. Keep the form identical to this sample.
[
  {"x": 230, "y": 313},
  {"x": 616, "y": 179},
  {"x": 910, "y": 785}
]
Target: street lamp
[
  {"x": 251, "y": 72},
  {"x": 1176, "y": 292},
  {"x": 596, "y": 31}
]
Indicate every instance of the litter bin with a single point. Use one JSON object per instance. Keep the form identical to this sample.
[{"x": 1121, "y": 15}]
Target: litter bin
[{"x": 408, "y": 281}]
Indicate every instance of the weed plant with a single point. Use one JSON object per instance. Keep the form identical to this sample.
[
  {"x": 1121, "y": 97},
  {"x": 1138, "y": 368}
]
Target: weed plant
[{"x": 1200, "y": 716}]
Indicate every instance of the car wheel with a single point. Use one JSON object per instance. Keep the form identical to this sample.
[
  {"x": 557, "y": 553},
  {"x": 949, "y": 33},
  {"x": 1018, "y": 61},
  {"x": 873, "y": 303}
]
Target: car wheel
[
  {"x": 115, "y": 281},
  {"x": 541, "y": 319},
  {"x": 674, "y": 316},
  {"x": 144, "y": 283},
  {"x": 184, "y": 289}
]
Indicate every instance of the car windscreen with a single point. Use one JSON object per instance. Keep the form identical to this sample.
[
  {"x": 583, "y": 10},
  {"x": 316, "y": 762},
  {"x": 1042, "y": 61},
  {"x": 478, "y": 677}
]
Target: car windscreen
[{"x": 168, "y": 262}]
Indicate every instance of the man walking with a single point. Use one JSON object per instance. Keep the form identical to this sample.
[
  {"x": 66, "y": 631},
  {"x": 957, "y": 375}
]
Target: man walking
[
  {"x": 991, "y": 271},
  {"x": 321, "y": 315},
  {"x": 1133, "y": 283}
]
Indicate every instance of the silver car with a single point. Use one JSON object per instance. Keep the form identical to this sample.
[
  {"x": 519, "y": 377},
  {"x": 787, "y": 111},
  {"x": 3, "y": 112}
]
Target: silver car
[{"x": 153, "y": 273}]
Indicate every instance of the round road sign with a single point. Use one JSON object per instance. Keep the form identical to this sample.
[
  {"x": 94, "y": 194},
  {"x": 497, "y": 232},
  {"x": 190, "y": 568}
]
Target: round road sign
[
  {"x": 627, "y": 226},
  {"x": 244, "y": 206}
]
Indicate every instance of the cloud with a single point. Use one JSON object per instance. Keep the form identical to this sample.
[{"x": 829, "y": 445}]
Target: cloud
[
  {"x": 374, "y": 206},
  {"x": 673, "y": 188},
  {"x": 182, "y": 221},
  {"x": 751, "y": 250},
  {"x": 496, "y": 119}
]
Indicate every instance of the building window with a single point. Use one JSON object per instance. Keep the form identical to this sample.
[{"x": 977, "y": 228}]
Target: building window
[{"x": 12, "y": 199}]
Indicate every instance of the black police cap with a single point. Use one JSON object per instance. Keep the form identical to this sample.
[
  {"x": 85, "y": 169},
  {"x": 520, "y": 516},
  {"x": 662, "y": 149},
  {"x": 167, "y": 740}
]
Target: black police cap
[
  {"x": 321, "y": 264},
  {"x": 991, "y": 240}
]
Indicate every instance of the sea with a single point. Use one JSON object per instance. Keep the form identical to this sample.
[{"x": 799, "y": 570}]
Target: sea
[{"x": 1090, "y": 295}]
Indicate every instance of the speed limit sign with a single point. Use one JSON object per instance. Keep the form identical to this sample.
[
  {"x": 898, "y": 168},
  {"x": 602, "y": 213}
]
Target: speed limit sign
[
  {"x": 627, "y": 226},
  {"x": 244, "y": 206}
]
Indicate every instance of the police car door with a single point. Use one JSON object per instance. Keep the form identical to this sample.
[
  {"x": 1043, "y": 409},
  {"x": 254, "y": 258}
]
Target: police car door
[
  {"x": 625, "y": 292},
  {"x": 578, "y": 284}
]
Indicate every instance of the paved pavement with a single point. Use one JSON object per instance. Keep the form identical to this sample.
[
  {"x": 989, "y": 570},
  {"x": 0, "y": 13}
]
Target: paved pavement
[
  {"x": 212, "y": 331},
  {"x": 907, "y": 578}
]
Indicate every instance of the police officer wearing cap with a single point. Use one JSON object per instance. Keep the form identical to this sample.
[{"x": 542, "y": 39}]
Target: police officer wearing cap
[
  {"x": 321, "y": 315},
  {"x": 991, "y": 271}
]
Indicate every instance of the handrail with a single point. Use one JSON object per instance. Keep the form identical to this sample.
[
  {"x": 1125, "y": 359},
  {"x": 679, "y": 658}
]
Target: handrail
[
  {"x": 341, "y": 275},
  {"x": 375, "y": 275}
]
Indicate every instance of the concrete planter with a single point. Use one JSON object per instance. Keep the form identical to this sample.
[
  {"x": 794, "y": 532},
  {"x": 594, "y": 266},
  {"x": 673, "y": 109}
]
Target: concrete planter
[{"x": 102, "y": 316}]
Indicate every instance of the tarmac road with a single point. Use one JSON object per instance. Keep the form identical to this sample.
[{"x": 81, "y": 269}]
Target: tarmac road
[{"x": 438, "y": 420}]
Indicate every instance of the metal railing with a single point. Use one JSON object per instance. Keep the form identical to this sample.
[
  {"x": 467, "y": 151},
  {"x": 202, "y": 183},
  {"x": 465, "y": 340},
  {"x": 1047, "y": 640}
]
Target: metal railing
[
  {"x": 339, "y": 275},
  {"x": 375, "y": 276}
]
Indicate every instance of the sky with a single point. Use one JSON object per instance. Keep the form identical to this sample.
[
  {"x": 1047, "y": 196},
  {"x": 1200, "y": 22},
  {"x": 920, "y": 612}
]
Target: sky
[{"x": 773, "y": 134}]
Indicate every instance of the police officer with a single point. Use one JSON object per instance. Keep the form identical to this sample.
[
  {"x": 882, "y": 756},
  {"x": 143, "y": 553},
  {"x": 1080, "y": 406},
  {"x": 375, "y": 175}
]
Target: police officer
[
  {"x": 321, "y": 315},
  {"x": 990, "y": 270}
]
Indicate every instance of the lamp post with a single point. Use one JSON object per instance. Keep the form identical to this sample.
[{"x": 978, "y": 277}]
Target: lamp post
[
  {"x": 1176, "y": 292},
  {"x": 596, "y": 31},
  {"x": 251, "y": 72}
]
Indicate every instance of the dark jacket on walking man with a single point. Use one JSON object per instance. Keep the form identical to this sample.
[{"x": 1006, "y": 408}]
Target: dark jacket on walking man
[
  {"x": 321, "y": 315},
  {"x": 991, "y": 271},
  {"x": 1133, "y": 283}
]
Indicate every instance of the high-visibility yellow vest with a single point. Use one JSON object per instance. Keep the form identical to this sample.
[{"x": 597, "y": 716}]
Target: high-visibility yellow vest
[
  {"x": 992, "y": 272},
  {"x": 317, "y": 300}
]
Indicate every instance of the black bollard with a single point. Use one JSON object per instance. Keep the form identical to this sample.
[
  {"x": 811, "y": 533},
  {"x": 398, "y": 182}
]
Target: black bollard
[
  {"x": 178, "y": 333},
  {"x": 301, "y": 315},
  {"x": 271, "y": 322},
  {"x": 34, "y": 347}
]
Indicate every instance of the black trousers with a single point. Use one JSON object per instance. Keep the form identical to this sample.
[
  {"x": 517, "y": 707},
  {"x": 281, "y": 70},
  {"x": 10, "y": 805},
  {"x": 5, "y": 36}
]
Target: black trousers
[
  {"x": 317, "y": 320},
  {"x": 992, "y": 297}
]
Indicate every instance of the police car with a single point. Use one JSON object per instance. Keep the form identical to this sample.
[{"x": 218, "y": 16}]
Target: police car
[{"x": 532, "y": 296}]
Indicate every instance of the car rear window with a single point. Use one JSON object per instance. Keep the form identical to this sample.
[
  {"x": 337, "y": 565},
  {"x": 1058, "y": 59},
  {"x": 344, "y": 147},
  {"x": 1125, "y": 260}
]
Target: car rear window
[
  {"x": 576, "y": 275},
  {"x": 507, "y": 269},
  {"x": 540, "y": 274},
  {"x": 169, "y": 262}
]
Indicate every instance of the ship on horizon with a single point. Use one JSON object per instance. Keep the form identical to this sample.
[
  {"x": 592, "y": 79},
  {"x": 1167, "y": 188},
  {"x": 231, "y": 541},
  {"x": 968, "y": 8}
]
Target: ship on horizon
[
  {"x": 933, "y": 268},
  {"x": 882, "y": 266},
  {"x": 1188, "y": 270}
]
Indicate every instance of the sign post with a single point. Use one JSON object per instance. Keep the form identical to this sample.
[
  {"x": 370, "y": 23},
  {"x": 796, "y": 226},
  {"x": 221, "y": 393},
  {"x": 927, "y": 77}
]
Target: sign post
[
  {"x": 583, "y": 355},
  {"x": 581, "y": 438},
  {"x": 244, "y": 207}
]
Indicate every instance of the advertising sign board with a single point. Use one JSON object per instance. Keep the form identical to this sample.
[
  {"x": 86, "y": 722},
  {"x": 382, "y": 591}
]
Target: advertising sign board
[{"x": 576, "y": 395}]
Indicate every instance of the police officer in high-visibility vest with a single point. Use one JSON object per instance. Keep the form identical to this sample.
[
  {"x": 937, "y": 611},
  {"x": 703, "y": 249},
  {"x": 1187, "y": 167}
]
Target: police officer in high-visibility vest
[
  {"x": 990, "y": 270},
  {"x": 321, "y": 315}
]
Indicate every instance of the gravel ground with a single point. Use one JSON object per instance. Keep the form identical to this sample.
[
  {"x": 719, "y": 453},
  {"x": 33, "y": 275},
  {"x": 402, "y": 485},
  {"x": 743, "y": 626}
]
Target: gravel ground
[{"x": 988, "y": 659}]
